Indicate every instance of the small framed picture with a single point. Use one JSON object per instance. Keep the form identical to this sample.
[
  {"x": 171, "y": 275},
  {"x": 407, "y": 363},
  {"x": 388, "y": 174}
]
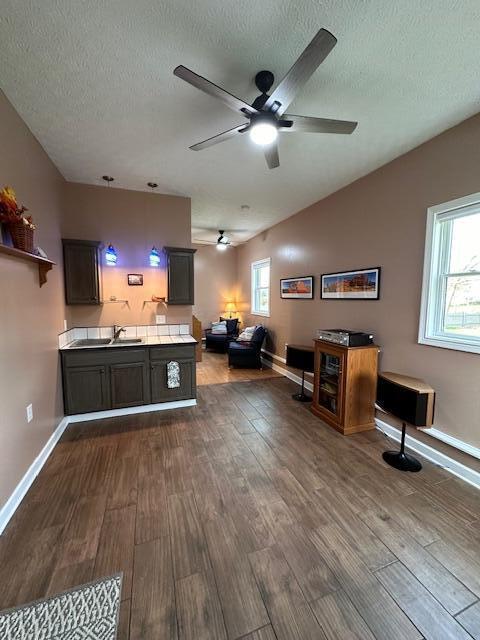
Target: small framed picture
[
  {"x": 363, "y": 284},
  {"x": 135, "y": 279},
  {"x": 297, "y": 288}
]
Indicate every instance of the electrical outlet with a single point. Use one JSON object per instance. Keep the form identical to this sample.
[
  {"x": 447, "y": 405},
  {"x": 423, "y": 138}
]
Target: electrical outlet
[
  {"x": 29, "y": 413},
  {"x": 161, "y": 319},
  {"x": 65, "y": 325}
]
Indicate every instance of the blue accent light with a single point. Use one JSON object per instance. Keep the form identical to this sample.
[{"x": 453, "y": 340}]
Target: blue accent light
[
  {"x": 111, "y": 255},
  {"x": 154, "y": 257}
]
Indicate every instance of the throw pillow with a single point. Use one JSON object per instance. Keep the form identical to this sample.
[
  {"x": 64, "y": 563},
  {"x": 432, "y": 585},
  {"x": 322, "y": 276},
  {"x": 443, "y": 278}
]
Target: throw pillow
[
  {"x": 219, "y": 327},
  {"x": 231, "y": 324},
  {"x": 258, "y": 334},
  {"x": 246, "y": 334}
]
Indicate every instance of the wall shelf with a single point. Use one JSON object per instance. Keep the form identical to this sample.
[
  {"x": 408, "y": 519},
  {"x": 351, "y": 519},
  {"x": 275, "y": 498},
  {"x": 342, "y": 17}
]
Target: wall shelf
[
  {"x": 126, "y": 302},
  {"x": 160, "y": 301},
  {"x": 44, "y": 265}
]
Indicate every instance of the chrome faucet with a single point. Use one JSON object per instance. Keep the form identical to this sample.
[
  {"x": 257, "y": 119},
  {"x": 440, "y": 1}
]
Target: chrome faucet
[{"x": 117, "y": 330}]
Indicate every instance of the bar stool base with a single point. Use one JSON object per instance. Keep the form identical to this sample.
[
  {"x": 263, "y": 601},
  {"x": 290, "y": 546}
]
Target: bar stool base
[
  {"x": 401, "y": 461},
  {"x": 301, "y": 397}
]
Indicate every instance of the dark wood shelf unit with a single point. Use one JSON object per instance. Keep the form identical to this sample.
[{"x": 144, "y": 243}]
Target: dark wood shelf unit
[{"x": 44, "y": 265}]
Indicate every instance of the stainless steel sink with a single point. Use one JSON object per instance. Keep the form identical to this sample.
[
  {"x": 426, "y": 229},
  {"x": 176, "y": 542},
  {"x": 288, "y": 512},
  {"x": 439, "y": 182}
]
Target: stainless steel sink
[
  {"x": 91, "y": 342},
  {"x": 127, "y": 341}
]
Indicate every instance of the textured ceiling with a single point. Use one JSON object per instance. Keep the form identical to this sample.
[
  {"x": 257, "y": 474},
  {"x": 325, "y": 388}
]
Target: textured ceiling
[{"x": 93, "y": 80}]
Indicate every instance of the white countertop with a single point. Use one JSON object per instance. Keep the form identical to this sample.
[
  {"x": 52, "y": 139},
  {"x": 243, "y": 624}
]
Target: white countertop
[{"x": 146, "y": 342}]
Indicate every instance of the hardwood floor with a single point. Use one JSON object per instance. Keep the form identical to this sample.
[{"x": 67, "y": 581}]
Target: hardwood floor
[
  {"x": 214, "y": 370},
  {"x": 247, "y": 517}
]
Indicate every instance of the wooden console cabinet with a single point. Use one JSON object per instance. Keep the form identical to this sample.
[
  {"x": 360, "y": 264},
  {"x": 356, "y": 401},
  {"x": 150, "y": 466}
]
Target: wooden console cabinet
[{"x": 345, "y": 386}]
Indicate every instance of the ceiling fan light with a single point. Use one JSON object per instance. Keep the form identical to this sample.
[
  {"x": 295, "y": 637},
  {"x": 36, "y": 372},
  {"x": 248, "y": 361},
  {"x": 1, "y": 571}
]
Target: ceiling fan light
[
  {"x": 222, "y": 246},
  {"x": 263, "y": 133}
]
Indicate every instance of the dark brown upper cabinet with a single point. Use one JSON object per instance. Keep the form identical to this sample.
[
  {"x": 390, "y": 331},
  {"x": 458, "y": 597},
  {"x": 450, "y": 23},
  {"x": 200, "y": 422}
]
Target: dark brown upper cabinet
[
  {"x": 81, "y": 263},
  {"x": 180, "y": 275}
]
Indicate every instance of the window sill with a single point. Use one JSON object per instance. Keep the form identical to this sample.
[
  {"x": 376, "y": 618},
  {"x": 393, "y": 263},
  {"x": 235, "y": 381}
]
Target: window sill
[
  {"x": 445, "y": 343},
  {"x": 259, "y": 313}
]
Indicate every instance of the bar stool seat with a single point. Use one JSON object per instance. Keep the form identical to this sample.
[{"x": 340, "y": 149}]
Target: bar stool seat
[{"x": 301, "y": 357}]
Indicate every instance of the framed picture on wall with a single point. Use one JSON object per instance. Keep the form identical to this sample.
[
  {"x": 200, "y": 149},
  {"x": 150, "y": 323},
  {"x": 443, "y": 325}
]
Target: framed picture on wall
[
  {"x": 297, "y": 288},
  {"x": 363, "y": 284},
  {"x": 135, "y": 279}
]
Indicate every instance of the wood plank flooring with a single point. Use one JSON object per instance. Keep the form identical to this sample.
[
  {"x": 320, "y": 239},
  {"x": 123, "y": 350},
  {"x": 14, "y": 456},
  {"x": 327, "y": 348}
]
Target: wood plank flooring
[
  {"x": 214, "y": 370},
  {"x": 248, "y": 518}
]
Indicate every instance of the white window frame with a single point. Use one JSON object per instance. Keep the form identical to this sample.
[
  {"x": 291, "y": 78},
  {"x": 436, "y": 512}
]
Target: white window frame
[
  {"x": 434, "y": 280},
  {"x": 254, "y": 266}
]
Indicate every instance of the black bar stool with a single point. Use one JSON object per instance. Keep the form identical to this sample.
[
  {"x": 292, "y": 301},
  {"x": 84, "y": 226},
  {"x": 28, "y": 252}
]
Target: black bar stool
[{"x": 301, "y": 357}]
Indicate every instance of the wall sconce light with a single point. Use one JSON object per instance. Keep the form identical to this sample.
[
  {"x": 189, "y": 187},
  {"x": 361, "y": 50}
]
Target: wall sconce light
[
  {"x": 111, "y": 256},
  {"x": 154, "y": 257}
]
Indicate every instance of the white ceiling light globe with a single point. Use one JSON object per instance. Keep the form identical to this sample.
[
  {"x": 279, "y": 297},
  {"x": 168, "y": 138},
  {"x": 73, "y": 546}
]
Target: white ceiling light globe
[
  {"x": 263, "y": 133},
  {"x": 221, "y": 246}
]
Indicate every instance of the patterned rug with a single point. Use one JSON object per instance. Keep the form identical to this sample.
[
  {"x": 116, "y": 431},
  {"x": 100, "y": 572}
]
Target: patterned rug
[{"x": 89, "y": 612}]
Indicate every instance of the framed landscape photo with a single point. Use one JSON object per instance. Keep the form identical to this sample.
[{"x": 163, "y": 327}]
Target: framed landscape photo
[
  {"x": 297, "y": 288},
  {"x": 363, "y": 284},
  {"x": 135, "y": 279}
]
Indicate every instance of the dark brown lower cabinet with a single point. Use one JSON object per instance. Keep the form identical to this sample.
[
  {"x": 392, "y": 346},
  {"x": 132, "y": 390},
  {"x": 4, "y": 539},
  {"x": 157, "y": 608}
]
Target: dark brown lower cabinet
[
  {"x": 85, "y": 389},
  {"x": 160, "y": 390},
  {"x": 114, "y": 378},
  {"x": 129, "y": 384},
  {"x": 159, "y": 359}
]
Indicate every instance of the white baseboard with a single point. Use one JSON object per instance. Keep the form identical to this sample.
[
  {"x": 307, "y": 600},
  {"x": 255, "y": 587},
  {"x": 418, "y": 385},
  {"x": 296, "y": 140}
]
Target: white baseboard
[
  {"x": 13, "y": 502},
  {"x": 456, "y": 468},
  {"x": 288, "y": 374},
  {"x": 128, "y": 411},
  {"x": 274, "y": 356},
  {"x": 453, "y": 442},
  {"x": 11, "y": 505},
  {"x": 453, "y": 466}
]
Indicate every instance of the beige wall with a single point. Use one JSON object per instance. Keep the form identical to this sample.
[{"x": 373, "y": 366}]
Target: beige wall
[
  {"x": 215, "y": 282},
  {"x": 133, "y": 221},
  {"x": 380, "y": 221},
  {"x": 30, "y": 317}
]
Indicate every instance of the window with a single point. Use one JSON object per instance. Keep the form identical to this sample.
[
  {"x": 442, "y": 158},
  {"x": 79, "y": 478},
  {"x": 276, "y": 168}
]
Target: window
[
  {"x": 261, "y": 287},
  {"x": 450, "y": 311}
]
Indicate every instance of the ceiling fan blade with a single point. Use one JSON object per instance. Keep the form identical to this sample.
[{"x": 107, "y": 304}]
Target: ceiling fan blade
[
  {"x": 315, "y": 125},
  {"x": 307, "y": 63},
  {"x": 220, "y": 137},
  {"x": 213, "y": 90},
  {"x": 271, "y": 156}
]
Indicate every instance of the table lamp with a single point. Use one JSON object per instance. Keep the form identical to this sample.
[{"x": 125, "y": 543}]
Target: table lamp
[{"x": 230, "y": 308}]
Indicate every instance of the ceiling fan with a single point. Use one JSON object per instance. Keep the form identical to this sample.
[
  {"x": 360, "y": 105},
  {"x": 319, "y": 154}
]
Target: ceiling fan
[
  {"x": 222, "y": 242},
  {"x": 266, "y": 115}
]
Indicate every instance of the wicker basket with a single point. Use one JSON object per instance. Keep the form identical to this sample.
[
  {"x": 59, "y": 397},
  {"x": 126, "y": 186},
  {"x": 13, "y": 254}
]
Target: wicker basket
[{"x": 22, "y": 236}]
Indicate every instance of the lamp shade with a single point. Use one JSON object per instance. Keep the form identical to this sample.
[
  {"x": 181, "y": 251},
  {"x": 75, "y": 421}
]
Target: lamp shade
[{"x": 231, "y": 308}]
